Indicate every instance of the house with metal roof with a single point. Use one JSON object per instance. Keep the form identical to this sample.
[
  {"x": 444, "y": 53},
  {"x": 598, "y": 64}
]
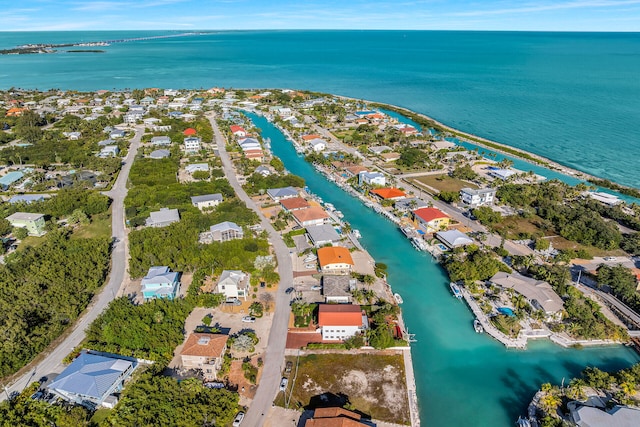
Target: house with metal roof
[
  {"x": 539, "y": 293},
  {"x": 163, "y": 217},
  {"x": 206, "y": 201},
  {"x": 33, "y": 222},
  {"x": 160, "y": 283},
  {"x": 10, "y": 178},
  {"x": 222, "y": 232},
  {"x": 453, "y": 238},
  {"x": 584, "y": 415},
  {"x": 197, "y": 167},
  {"x": 160, "y": 140},
  {"x": 371, "y": 178},
  {"x": 26, "y": 198},
  {"x": 159, "y": 154},
  {"x": 320, "y": 235},
  {"x": 90, "y": 379},
  {"x": 478, "y": 196},
  {"x": 337, "y": 289},
  {"x": 278, "y": 194}
]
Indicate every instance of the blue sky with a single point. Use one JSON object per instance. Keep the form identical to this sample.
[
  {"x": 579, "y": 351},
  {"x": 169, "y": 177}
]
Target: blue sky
[{"x": 556, "y": 15}]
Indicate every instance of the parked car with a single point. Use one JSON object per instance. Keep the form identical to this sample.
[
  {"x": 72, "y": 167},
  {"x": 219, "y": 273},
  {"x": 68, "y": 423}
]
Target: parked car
[
  {"x": 316, "y": 287},
  {"x": 238, "y": 419},
  {"x": 289, "y": 290},
  {"x": 288, "y": 366},
  {"x": 609, "y": 258},
  {"x": 249, "y": 319},
  {"x": 234, "y": 301},
  {"x": 310, "y": 266},
  {"x": 283, "y": 383}
]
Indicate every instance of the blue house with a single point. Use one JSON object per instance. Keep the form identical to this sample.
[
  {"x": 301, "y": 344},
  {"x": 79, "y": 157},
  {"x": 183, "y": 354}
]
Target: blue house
[
  {"x": 10, "y": 178},
  {"x": 160, "y": 282}
]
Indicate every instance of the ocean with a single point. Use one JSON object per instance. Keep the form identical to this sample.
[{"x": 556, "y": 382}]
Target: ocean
[{"x": 571, "y": 97}]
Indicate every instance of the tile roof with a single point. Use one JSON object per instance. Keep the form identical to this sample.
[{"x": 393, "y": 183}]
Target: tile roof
[
  {"x": 294, "y": 203},
  {"x": 429, "y": 214},
  {"x": 339, "y": 315},
  {"x": 335, "y": 412},
  {"x": 189, "y": 131},
  {"x": 389, "y": 193},
  {"x": 310, "y": 214},
  {"x": 204, "y": 344},
  {"x": 334, "y": 255}
]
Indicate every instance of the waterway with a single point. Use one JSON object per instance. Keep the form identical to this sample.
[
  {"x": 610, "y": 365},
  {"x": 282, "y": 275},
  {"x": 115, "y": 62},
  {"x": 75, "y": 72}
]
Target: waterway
[{"x": 462, "y": 378}]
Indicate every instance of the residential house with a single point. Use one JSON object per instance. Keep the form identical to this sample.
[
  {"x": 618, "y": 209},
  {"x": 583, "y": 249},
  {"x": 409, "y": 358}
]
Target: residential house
[
  {"x": 10, "y": 179},
  {"x": 390, "y": 157},
  {"x": 233, "y": 284},
  {"x": 337, "y": 289},
  {"x": 249, "y": 144},
  {"x": 197, "y": 167},
  {"x": 339, "y": 322},
  {"x": 163, "y": 217},
  {"x": 475, "y": 197},
  {"x": 26, "y": 198},
  {"x": 604, "y": 198},
  {"x": 190, "y": 132},
  {"x": 238, "y": 131},
  {"x": 73, "y": 136},
  {"x": 132, "y": 117},
  {"x": 263, "y": 170},
  {"x": 192, "y": 144},
  {"x": 206, "y": 201},
  {"x": 117, "y": 133},
  {"x": 453, "y": 238},
  {"x": 33, "y": 222},
  {"x": 310, "y": 137},
  {"x": 317, "y": 145},
  {"x": 352, "y": 171},
  {"x": 388, "y": 193},
  {"x": 160, "y": 140},
  {"x": 257, "y": 155},
  {"x": 586, "y": 415},
  {"x": 410, "y": 204},
  {"x": 278, "y": 194},
  {"x": 335, "y": 417},
  {"x": 313, "y": 215},
  {"x": 91, "y": 379},
  {"x": 109, "y": 151},
  {"x": 320, "y": 235},
  {"x": 372, "y": 178},
  {"x": 431, "y": 219},
  {"x": 204, "y": 352},
  {"x": 502, "y": 174},
  {"x": 160, "y": 283},
  {"x": 335, "y": 260},
  {"x": 539, "y": 293},
  {"x": 222, "y": 232},
  {"x": 294, "y": 204},
  {"x": 159, "y": 154},
  {"x": 379, "y": 149}
]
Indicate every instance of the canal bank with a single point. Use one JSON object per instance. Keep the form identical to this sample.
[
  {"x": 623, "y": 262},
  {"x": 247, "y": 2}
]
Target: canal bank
[{"x": 461, "y": 377}]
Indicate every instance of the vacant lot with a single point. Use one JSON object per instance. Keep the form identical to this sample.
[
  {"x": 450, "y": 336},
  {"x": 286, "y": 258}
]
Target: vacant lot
[
  {"x": 373, "y": 383},
  {"x": 445, "y": 182}
]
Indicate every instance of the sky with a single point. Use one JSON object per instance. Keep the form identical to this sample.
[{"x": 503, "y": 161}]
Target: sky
[{"x": 519, "y": 15}]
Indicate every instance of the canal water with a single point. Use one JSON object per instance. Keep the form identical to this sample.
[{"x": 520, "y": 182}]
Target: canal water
[{"x": 463, "y": 378}]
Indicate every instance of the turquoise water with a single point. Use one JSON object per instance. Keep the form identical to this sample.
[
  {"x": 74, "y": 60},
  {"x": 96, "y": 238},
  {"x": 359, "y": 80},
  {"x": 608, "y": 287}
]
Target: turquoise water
[
  {"x": 571, "y": 97},
  {"x": 463, "y": 378}
]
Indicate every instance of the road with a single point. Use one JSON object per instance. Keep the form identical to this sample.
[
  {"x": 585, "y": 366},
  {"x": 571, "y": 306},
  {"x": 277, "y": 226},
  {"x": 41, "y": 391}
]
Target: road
[
  {"x": 52, "y": 365},
  {"x": 270, "y": 380}
]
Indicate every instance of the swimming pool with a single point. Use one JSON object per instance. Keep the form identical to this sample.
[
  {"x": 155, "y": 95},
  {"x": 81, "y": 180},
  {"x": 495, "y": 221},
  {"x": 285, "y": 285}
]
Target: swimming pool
[{"x": 506, "y": 311}]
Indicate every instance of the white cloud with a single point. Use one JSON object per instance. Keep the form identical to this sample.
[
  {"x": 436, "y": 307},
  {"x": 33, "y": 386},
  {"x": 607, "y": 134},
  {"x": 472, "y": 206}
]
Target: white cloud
[{"x": 587, "y": 4}]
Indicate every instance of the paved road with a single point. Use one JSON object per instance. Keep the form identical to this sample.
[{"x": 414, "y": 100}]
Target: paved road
[
  {"x": 52, "y": 365},
  {"x": 270, "y": 380},
  {"x": 612, "y": 301}
]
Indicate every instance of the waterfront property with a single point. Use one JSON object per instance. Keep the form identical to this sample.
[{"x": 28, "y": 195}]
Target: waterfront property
[
  {"x": 337, "y": 289},
  {"x": 389, "y": 193},
  {"x": 593, "y": 413},
  {"x": 233, "y": 284},
  {"x": 341, "y": 321},
  {"x": 320, "y": 235},
  {"x": 294, "y": 204},
  {"x": 91, "y": 380},
  {"x": 33, "y": 222},
  {"x": 160, "y": 283},
  {"x": 475, "y": 197},
  {"x": 163, "y": 217},
  {"x": 313, "y": 215},
  {"x": 222, "y": 232},
  {"x": 334, "y": 417},
  {"x": 453, "y": 238},
  {"x": 278, "y": 194},
  {"x": 206, "y": 201},
  {"x": 204, "y": 352},
  {"x": 335, "y": 260},
  {"x": 431, "y": 219},
  {"x": 371, "y": 178},
  {"x": 540, "y": 294}
]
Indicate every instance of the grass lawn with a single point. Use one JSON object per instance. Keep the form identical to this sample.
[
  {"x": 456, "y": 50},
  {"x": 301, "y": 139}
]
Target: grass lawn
[
  {"x": 445, "y": 183},
  {"x": 373, "y": 383},
  {"x": 100, "y": 227}
]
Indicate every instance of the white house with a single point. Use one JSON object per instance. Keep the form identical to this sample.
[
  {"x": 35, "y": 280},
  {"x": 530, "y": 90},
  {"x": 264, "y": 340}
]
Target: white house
[
  {"x": 206, "y": 201},
  {"x": 339, "y": 322},
  {"x": 109, "y": 151},
  {"x": 478, "y": 196},
  {"x": 197, "y": 167},
  {"x": 317, "y": 145},
  {"x": 163, "y": 217},
  {"x": 233, "y": 284},
  {"x": 372, "y": 178},
  {"x": 192, "y": 144},
  {"x": 160, "y": 140}
]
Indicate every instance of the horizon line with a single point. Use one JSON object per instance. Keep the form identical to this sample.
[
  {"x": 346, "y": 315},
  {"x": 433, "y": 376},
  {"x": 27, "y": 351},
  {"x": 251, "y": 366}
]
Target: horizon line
[{"x": 183, "y": 31}]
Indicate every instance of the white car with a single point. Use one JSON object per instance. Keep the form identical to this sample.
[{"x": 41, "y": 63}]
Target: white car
[
  {"x": 609, "y": 258},
  {"x": 249, "y": 319},
  {"x": 238, "y": 419},
  {"x": 283, "y": 383},
  {"x": 316, "y": 287}
]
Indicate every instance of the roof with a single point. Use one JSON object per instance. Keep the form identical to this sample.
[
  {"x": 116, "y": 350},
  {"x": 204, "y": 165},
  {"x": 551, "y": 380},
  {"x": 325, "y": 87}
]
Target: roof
[
  {"x": 412, "y": 203},
  {"x": 312, "y": 213},
  {"x": 478, "y": 191},
  {"x": 322, "y": 233},
  {"x": 91, "y": 375},
  {"x": 339, "y": 315},
  {"x": 24, "y": 216},
  {"x": 294, "y": 203},
  {"x": 389, "y": 193},
  {"x": 537, "y": 291},
  {"x": 204, "y": 344},
  {"x": 27, "y": 198},
  {"x": 159, "y": 275},
  {"x": 334, "y": 255},
  {"x": 226, "y": 226},
  {"x": 189, "y": 131},
  {"x": 159, "y": 154},
  {"x": 429, "y": 214},
  {"x": 336, "y": 286},
  {"x": 619, "y": 416},
  {"x": 236, "y": 128},
  {"x": 235, "y": 276},
  {"x": 453, "y": 238},
  {"x": 335, "y": 412},
  {"x": 282, "y": 192},
  {"x": 164, "y": 215},
  {"x": 207, "y": 198},
  {"x": 11, "y": 177}
]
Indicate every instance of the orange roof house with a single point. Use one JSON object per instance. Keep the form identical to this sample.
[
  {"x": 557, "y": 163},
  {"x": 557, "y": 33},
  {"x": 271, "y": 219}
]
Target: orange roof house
[
  {"x": 389, "y": 193},
  {"x": 294, "y": 203},
  {"x": 190, "y": 132},
  {"x": 313, "y": 215},
  {"x": 15, "y": 111},
  {"x": 334, "y": 417},
  {"x": 340, "y": 321},
  {"x": 204, "y": 351},
  {"x": 335, "y": 260},
  {"x": 432, "y": 219},
  {"x": 311, "y": 137}
]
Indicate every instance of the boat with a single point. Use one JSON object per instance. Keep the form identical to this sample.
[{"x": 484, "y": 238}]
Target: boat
[
  {"x": 339, "y": 214},
  {"x": 398, "y": 298},
  {"x": 456, "y": 290},
  {"x": 523, "y": 422},
  {"x": 356, "y": 234},
  {"x": 418, "y": 244},
  {"x": 407, "y": 231},
  {"x": 478, "y": 326}
]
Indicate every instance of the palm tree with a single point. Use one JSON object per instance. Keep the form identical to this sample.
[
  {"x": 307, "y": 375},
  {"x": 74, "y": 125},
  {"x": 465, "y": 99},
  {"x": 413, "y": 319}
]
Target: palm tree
[
  {"x": 550, "y": 402},
  {"x": 575, "y": 391}
]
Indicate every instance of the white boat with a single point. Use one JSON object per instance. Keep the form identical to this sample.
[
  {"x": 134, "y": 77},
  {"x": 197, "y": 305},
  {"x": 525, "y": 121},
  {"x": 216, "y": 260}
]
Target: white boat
[
  {"x": 398, "y": 298},
  {"x": 456, "y": 290},
  {"x": 356, "y": 234},
  {"x": 407, "y": 231},
  {"x": 477, "y": 326},
  {"x": 339, "y": 214},
  {"x": 418, "y": 244},
  {"x": 523, "y": 422}
]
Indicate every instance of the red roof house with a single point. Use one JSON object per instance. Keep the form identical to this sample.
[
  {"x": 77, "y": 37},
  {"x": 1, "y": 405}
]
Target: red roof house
[
  {"x": 340, "y": 321},
  {"x": 389, "y": 193},
  {"x": 294, "y": 203},
  {"x": 432, "y": 219},
  {"x": 190, "y": 132}
]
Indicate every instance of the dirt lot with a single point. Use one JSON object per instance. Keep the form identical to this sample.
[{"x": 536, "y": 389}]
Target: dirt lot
[
  {"x": 445, "y": 183},
  {"x": 373, "y": 382}
]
